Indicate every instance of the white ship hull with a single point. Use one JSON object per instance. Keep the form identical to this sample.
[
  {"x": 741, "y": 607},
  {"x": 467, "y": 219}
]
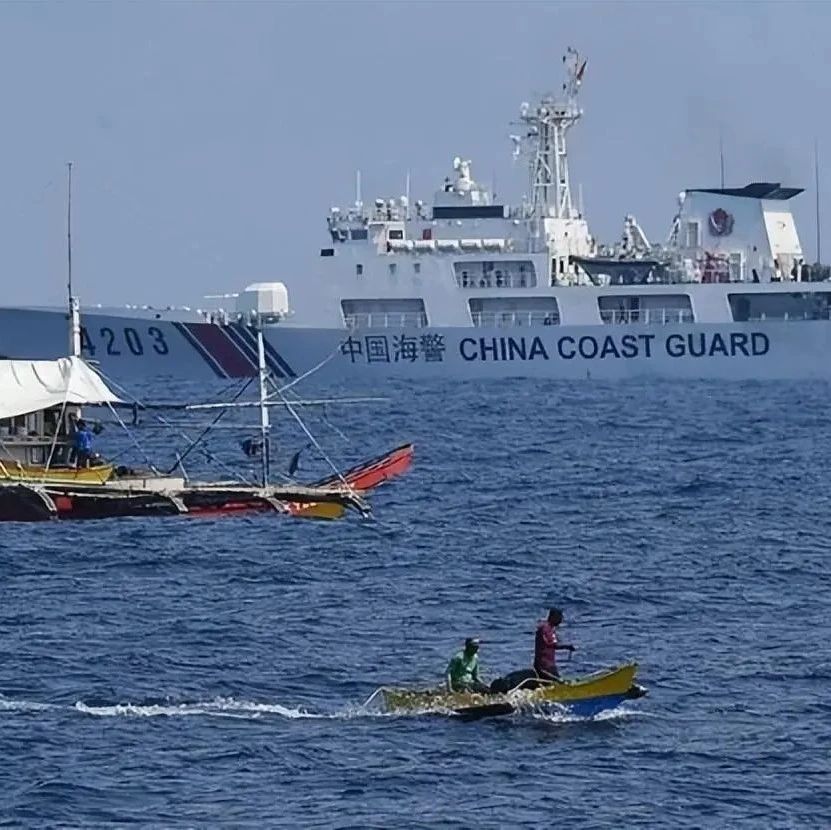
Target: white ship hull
[{"x": 133, "y": 347}]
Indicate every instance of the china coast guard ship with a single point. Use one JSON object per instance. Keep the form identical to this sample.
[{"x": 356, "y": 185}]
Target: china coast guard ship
[{"x": 468, "y": 287}]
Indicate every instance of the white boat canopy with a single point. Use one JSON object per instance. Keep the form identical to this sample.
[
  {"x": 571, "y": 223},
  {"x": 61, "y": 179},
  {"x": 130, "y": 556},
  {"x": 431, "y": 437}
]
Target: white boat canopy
[{"x": 32, "y": 385}]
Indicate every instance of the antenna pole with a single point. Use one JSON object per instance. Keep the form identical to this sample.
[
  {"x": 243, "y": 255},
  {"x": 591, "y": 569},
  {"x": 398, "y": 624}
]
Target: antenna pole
[
  {"x": 816, "y": 187},
  {"x": 74, "y": 313},
  {"x": 721, "y": 156},
  {"x": 407, "y": 196},
  {"x": 358, "y": 201},
  {"x": 264, "y": 422},
  {"x": 69, "y": 229}
]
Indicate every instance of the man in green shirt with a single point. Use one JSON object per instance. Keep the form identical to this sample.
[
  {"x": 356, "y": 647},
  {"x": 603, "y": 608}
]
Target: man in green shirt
[{"x": 463, "y": 670}]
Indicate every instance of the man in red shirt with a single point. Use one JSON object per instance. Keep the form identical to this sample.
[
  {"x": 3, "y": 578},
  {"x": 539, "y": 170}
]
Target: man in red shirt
[{"x": 546, "y": 646}]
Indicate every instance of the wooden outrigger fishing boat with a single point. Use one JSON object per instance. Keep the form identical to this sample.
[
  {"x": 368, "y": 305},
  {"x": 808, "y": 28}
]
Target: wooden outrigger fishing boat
[
  {"x": 583, "y": 697},
  {"x": 41, "y": 477}
]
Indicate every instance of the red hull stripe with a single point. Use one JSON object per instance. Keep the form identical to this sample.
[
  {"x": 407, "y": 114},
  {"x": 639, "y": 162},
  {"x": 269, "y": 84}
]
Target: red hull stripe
[
  {"x": 200, "y": 349},
  {"x": 234, "y": 362}
]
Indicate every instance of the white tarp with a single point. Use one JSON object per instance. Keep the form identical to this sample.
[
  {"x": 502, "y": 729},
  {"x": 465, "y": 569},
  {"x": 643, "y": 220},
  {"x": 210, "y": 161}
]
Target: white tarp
[{"x": 31, "y": 385}]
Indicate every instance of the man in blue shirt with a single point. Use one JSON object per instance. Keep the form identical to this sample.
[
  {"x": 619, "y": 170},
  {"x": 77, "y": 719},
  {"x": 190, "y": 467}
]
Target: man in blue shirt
[{"x": 83, "y": 445}]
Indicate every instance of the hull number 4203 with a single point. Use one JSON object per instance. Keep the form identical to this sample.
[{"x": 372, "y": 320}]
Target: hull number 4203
[{"x": 129, "y": 340}]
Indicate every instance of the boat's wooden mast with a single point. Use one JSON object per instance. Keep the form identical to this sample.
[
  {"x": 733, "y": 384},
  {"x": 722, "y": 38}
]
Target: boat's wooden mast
[
  {"x": 74, "y": 313},
  {"x": 264, "y": 420}
]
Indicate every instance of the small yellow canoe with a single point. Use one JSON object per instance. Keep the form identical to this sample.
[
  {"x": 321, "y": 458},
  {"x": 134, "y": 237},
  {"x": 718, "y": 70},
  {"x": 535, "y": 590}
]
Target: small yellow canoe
[{"x": 585, "y": 696}]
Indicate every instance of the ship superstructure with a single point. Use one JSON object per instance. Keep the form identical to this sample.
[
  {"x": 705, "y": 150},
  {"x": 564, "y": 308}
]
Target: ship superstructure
[{"x": 467, "y": 260}]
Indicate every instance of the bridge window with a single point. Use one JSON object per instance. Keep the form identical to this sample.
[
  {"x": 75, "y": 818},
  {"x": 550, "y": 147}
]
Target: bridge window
[
  {"x": 384, "y": 313},
  {"x": 693, "y": 235},
  {"x": 809, "y": 305},
  {"x": 501, "y": 312},
  {"x": 656, "y": 309},
  {"x": 501, "y": 273},
  {"x": 359, "y": 269}
]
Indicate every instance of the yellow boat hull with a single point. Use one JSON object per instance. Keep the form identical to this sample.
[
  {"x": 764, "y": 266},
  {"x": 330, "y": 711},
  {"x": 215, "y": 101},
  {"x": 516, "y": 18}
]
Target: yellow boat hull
[
  {"x": 319, "y": 510},
  {"x": 55, "y": 475},
  {"x": 609, "y": 685}
]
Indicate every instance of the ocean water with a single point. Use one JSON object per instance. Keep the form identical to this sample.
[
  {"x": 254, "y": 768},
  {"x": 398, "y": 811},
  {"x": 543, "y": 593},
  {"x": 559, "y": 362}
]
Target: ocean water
[{"x": 201, "y": 672}]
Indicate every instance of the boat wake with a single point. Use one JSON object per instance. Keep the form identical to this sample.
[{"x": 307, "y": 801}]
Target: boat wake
[
  {"x": 10, "y": 705},
  {"x": 229, "y": 707},
  {"x": 225, "y": 707},
  {"x": 561, "y": 716},
  {"x": 218, "y": 707}
]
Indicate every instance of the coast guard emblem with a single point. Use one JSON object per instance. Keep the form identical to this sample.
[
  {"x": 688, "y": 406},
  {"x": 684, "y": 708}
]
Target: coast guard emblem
[{"x": 721, "y": 222}]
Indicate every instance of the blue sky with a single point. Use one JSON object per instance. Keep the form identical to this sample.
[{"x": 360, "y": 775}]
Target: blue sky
[{"x": 210, "y": 139}]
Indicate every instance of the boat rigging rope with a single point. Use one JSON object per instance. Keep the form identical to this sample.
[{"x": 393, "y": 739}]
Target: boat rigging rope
[
  {"x": 164, "y": 422},
  {"x": 133, "y": 439},
  {"x": 339, "y": 432},
  {"x": 316, "y": 444},
  {"x": 57, "y": 426},
  {"x": 207, "y": 429},
  {"x": 313, "y": 369},
  {"x": 323, "y": 416}
]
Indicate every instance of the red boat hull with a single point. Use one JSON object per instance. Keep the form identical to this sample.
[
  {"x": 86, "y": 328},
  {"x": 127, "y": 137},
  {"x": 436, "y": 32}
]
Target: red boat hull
[{"x": 369, "y": 474}]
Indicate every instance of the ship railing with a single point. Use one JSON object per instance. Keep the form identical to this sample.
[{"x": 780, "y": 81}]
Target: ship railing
[
  {"x": 509, "y": 319},
  {"x": 385, "y": 320},
  {"x": 650, "y": 316},
  {"x": 496, "y": 280},
  {"x": 815, "y": 314}
]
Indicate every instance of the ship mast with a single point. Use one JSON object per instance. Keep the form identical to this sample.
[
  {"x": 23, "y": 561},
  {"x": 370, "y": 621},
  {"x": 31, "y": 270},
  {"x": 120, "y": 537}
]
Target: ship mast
[{"x": 545, "y": 144}]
